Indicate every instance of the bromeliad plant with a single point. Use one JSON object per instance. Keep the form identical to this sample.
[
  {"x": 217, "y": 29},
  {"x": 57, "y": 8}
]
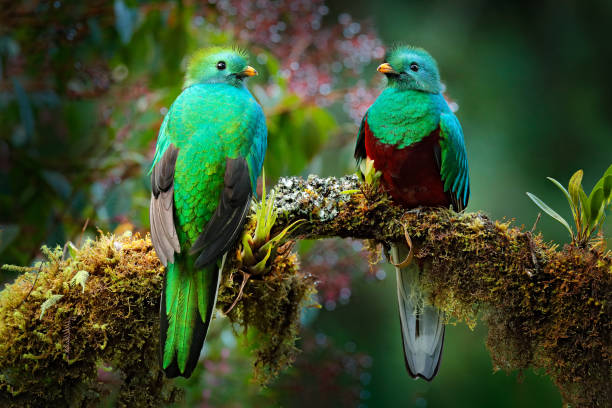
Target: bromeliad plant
[
  {"x": 589, "y": 212},
  {"x": 258, "y": 247}
]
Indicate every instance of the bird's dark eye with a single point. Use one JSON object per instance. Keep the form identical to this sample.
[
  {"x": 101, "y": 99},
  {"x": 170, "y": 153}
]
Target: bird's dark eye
[
  {"x": 414, "y": 67},
  {"x": 221, "y": 65}
]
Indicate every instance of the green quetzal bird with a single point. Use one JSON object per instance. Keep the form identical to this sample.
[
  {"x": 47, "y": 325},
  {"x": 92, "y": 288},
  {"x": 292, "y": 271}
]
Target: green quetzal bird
[
  {"x": 209, "y": 154},
  {"x": 416, "y": 143}
]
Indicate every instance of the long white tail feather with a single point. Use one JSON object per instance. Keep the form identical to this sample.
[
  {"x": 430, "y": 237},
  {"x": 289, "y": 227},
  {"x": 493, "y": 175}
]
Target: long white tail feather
[{"x": 422, "y": 324}]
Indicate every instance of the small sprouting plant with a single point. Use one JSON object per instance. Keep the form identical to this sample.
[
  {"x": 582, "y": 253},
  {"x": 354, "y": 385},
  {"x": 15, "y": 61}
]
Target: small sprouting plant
[
  {"x": 370, "y": 175},
  {"x": 588, "y": 212},
  {"x": 258, "y": 245}
]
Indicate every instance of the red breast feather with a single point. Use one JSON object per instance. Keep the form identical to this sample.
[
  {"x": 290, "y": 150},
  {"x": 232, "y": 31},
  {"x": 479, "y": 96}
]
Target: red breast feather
[{"x": 410, "y": 174}]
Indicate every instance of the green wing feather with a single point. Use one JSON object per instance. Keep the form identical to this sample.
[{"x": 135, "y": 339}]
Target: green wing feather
[{"x": 454, "y": 166}]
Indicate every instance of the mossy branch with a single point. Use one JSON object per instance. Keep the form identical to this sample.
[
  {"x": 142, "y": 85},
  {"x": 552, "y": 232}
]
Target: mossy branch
[{"x": 546, "y": 308}]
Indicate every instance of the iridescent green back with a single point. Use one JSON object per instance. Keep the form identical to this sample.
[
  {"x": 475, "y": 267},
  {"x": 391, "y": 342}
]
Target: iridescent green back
[{"x": 209, "y": 123}]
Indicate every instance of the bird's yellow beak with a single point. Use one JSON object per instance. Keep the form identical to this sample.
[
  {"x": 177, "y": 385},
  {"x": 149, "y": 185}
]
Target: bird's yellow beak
[
  {"x": 249, "y": 71},
  {"x": 386, "y": 68}
]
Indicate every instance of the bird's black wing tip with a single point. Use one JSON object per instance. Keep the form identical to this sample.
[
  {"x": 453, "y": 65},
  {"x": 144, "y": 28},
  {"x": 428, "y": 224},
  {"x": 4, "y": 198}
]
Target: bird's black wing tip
[
  {"x": 224, "y": 227},
  {"x": 360, "y": 149},
  {"x": 205, "y": 259}
]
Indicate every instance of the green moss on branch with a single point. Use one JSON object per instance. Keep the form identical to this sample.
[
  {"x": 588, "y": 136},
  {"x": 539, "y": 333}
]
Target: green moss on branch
[
  {"x": 52, "y": 359},
  {"x": 546, "y": 308}
]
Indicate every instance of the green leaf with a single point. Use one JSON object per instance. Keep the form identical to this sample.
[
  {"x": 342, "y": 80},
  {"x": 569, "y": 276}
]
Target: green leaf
[
  {"x": 72, "y": 249},
  {"x": 266, "y": 217},
  {"x": 261, "y": 265},
  {"x": 263, "y": 184},
  {"x": 556, "y": 183},
  {"x": 605, "y": 183},
  {"x": 569, "y": 199},
  {"x": 247, "y": 253},
  {"x": 585, "y": 213},
  {"x": 596, "y": 206},
  {"x": 608, "y": 172},
  {"x": 550, "y": 212},
  {"x": 575, "y": 186},
  {"x": 278, "y": 237},
  {"x": 370, "y": 174},
  {"x": 607, "y": 188}
]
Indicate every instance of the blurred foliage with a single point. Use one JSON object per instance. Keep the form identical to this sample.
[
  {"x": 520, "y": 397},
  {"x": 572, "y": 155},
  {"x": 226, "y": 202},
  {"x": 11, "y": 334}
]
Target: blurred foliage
[{"x": 84, "y": 87}]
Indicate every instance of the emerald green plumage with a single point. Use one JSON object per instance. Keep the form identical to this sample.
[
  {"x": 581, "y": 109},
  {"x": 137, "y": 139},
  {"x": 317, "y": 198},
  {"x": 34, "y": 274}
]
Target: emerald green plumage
[
  {"x": 414, "y": 116},
  {"x": 213, "y": 134}
]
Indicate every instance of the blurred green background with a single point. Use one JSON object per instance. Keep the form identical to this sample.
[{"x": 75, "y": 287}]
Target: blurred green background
[{"x": 84, "y": 88}]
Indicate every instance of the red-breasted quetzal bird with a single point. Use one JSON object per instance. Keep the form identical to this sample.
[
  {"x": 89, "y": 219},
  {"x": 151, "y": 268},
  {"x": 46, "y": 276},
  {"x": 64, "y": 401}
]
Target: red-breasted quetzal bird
[
  {"x": 209, "y": 154},
  {"x": 416, "y": 143}
]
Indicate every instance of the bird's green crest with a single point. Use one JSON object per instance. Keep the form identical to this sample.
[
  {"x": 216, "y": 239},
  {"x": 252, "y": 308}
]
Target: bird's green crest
[
  {"x": 413, "y": 68},
  {"x": 218, "y": 65}
]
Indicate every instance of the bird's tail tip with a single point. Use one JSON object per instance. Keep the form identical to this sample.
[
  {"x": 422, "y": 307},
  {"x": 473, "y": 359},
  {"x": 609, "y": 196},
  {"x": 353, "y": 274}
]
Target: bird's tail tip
[
  {"x": 186, "y": 310},
  {"x": 422, "y": 364},
  {"x": 422, "y": 324},
  {"x": 169, "y": 350}
]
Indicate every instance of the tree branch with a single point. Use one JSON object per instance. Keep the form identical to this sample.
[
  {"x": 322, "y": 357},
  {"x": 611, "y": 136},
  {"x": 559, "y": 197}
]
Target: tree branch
[{"x": 546, "y": 308}]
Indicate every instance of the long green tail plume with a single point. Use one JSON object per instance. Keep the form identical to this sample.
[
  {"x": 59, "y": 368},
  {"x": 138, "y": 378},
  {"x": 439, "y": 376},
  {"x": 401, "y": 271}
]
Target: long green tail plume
[{"x": 187, "y": 304}]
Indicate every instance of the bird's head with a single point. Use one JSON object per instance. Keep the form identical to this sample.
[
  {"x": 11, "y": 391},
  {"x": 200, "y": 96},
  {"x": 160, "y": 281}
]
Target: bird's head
[
  {"x": 411, "y": 68},
  {"x": 218, "y": 65}
]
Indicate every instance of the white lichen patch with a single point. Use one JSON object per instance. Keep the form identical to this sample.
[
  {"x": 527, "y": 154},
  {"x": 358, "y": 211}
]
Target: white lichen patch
[{"x": 314, "y": 198}]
